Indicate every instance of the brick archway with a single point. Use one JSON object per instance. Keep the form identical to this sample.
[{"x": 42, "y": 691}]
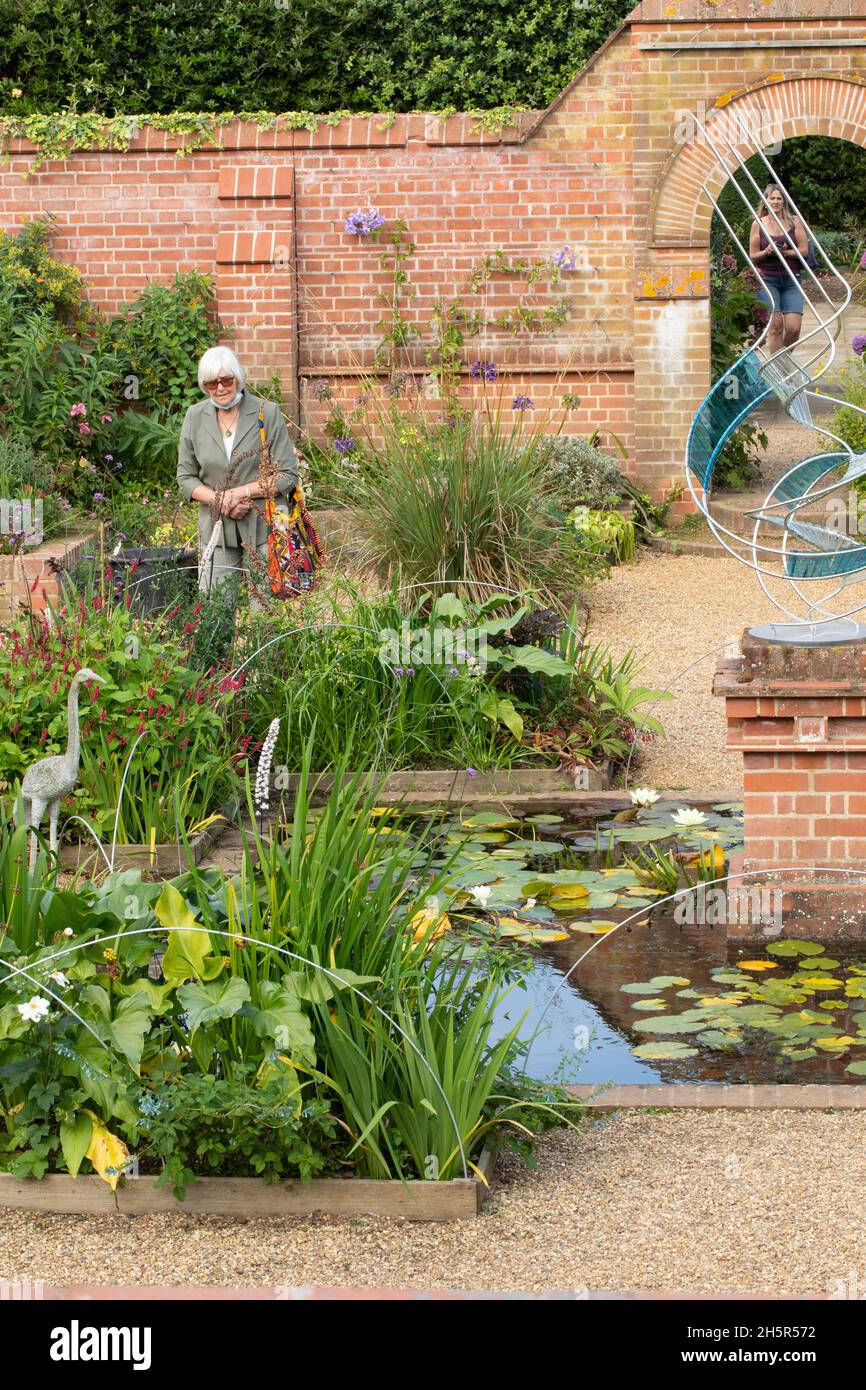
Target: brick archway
[
  {"x": 672, "y": 320},
  {"x": 832, "y": 104}
]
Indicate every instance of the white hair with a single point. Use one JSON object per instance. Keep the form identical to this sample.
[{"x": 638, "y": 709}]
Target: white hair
[{"x": 220, "y": 361}]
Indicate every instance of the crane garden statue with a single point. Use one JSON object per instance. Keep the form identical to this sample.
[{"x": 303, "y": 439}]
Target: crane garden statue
[{"x": 50, "y": 779}]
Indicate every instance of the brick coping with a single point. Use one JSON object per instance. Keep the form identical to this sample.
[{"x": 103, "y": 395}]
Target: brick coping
[{"x": 711, "y": 1096}]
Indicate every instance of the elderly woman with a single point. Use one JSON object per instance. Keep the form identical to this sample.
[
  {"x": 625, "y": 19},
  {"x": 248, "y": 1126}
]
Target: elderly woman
[{"x": 218, "y": 462}]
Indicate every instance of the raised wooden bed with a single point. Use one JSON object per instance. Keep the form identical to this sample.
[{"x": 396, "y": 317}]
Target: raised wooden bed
[
  {"x": 162, "y": 858},
  {"x": 524, "y": 788},
  {"x": 458, "y": 1200}
]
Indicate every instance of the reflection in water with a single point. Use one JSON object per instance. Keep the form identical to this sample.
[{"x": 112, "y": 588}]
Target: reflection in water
[{"x": 593, "y": 1001}]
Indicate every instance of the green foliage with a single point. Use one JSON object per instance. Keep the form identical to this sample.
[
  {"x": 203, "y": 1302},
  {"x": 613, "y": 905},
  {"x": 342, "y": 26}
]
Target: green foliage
[
  {"x": 463, "y": 502},
  {"x": 608, "y": 534},
  {"x": 160, "y": 336},
  {"x": 27, "y": 476},
  {"x": 31, "y": 278},
  {"x": 314, "y": 54},
  {"x": 849, "y": 423},
  {"x": 179, "y": 769},
  {"x": 580, "y": 474},
  {"x": 814, "y": 168}
]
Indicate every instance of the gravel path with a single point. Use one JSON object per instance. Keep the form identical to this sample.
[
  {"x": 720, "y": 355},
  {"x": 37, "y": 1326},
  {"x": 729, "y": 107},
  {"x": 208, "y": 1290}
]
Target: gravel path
[
  {"x": 676, "y": 611},
  {"x": 725, "y": 1201}
]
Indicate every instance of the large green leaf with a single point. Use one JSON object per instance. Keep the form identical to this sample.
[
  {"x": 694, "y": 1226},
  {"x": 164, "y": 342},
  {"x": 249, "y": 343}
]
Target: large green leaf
[
  {"x": 281, "y": 1017},
  {"x": 536, "y": 659},
  {"x": 75, "y": 1136},
  {"x": 218, "y": 999},
  {"x": 189, "y": 951},
  {"x": 130, "y": 1024},
  {"x": 317, "y": 988}
]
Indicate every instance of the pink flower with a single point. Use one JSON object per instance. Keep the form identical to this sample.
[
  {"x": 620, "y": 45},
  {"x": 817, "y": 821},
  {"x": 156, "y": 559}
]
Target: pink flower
[
  {"x": 105, "y": 419},
  {"x": 84, "y": 428},
  {"x": 78, "y": 409}
]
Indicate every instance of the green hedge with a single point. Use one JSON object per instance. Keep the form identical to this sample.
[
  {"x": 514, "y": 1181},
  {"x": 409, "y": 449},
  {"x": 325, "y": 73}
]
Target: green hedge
[{"x": 280, "y": 55}]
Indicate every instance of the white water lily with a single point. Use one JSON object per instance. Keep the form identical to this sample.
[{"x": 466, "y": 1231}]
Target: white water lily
[
  {"x": 529, "y": 904},
  {"x": 481, "y": 894},
  {"x": 687, "y": 816},
  {"x": 644, "y": 796},
  {"x": 59, "y": 978},
  {"x": 433, "y": 905},
  {"x": 35, "y": 1009}
]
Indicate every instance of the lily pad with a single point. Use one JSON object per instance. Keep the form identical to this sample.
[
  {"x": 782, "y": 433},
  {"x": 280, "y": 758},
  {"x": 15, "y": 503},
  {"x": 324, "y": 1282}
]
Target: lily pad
[
  {"x": 856, "y": 1068},
  {"x": 649, "y": 1004},
  {"x": 654, "y": 985},
  {"x": 792, "y": 947},
  {"x": 662, "y": 1051}
]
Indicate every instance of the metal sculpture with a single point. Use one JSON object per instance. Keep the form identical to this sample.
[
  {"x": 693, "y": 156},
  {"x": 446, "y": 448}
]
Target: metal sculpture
[
  {"x": 784, "y": 546},
  {"x": 48, "y": 780}
]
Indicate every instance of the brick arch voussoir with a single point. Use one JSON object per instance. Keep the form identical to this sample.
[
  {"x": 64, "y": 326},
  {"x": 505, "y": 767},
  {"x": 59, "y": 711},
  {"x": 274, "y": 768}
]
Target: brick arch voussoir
[{"x": 778, "y": 108}]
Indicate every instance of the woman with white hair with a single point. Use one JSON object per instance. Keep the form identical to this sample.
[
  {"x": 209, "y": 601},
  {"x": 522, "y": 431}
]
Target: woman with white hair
[{"x": 218, "y": 462}]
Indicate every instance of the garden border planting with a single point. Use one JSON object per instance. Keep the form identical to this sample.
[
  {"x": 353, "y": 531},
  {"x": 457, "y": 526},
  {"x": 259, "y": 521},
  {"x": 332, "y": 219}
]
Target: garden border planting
[{"x": 459, "y": 1199}]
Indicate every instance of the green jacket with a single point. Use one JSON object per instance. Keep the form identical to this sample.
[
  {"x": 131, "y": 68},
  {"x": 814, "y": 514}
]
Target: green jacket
[{"x": 202, "y": 459}]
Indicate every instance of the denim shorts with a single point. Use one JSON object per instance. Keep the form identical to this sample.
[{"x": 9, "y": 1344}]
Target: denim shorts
[{"x": 782, "y": 296}]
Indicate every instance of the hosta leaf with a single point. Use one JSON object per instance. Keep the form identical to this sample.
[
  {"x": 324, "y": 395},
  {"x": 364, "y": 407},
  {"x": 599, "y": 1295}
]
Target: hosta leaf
[
  {"x": 75, "y": 1137},
  {"x": 108, "y": 1154}
]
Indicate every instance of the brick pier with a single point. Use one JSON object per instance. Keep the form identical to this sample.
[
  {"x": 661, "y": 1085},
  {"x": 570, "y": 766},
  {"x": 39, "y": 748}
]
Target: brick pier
[{"x": 798, "y": 717}]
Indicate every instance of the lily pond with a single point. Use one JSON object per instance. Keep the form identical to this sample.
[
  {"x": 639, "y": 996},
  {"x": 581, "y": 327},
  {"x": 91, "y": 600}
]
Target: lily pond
[{"x": 621, "y": 982}]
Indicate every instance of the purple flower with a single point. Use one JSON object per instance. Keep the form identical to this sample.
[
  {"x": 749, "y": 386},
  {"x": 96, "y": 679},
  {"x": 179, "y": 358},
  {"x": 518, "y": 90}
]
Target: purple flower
[
  {"x": 858, "y": 344},
  {"x": 109, "y": 458},
  {"x": 472, "y": 772},
  {"x": 396, "y": 384},
  {"x": 453, "y": 671},
  {"x": 488, "y": 371},
  {"x": 522, "y": 403},
  {"x": 118, "y": 464},
  {"x": 321, "y": 390},
  {"x": 99, "y": 496},
  {"x": 363, "y": 223},
  {"x": 863, "y": 261},
  {"x": 398, "y": 670},
  {"x": 345, "y": 444},
  {"x": 565, "y": 259},
  {"x": 729, "y": 263}
]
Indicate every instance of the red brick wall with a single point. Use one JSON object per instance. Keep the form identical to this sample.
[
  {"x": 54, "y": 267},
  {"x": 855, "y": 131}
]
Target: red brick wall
[{"x": 598, "y": 170}]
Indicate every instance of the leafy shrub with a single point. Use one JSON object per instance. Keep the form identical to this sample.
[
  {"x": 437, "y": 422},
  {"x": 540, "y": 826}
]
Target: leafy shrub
[
  {"x": 160, "y": 337},
  {"x": 849, "y": 424},
  {"x": 580, "y": 474},
  {"x": 30, "y": 277}
]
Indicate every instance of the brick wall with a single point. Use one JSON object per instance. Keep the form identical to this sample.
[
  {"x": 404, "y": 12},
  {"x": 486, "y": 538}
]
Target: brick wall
[{"x": 599, "y": 170}]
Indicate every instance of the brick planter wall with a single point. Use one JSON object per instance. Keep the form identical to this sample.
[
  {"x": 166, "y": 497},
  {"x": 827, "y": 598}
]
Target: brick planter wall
[
  {"x": 798, "y": 717},
  {"x": 601, "y": 169}
]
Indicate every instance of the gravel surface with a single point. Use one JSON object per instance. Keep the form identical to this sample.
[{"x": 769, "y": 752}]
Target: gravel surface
[
  {"x": 718, "y": 1202},
  {"x": 677, "y": 611}
]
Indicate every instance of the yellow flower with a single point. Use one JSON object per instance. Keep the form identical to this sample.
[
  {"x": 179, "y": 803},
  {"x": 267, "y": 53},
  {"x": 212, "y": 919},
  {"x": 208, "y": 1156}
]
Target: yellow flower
[{"x": 109, "y": 955}]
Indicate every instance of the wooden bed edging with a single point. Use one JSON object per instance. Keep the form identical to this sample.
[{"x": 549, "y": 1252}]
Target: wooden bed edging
[
  {"x": 162, "y": 858},
  {"x": 458, "y": 1200}
]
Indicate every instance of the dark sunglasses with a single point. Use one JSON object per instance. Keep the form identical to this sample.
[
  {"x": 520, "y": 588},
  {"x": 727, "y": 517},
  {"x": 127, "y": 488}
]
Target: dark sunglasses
[{"x": 224, "y": 381}]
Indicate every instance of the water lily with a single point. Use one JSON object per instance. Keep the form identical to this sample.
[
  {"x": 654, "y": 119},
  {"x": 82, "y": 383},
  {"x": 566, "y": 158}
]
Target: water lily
[
  {"x": 529, "y": 904},
  {"x": 644, "y": 796},
  {"x": 688, "y": 816},
  {"x": 35, "y": 1009},
  {"x": 481, "y": 894}
]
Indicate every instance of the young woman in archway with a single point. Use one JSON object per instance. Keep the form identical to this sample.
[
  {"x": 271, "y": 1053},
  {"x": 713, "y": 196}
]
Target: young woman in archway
[{"x": 771, "y": 251}]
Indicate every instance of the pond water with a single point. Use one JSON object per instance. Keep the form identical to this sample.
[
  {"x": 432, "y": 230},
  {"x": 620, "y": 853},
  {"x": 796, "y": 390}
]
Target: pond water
[{"x": 626, "y": 985}]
